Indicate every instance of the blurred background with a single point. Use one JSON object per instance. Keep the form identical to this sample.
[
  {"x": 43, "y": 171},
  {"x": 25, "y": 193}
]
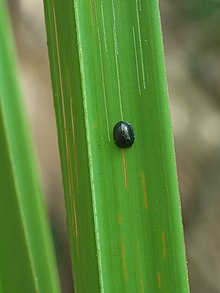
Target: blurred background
[{"x": 191, "y": 31}]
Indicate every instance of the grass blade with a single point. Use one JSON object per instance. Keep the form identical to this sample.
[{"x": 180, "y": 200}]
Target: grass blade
[
  {"x": 123, "y": 206},
  {"x": 26, "y": 253}
]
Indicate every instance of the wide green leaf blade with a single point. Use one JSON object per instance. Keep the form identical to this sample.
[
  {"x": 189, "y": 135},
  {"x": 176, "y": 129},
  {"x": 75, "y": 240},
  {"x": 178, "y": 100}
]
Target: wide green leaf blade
[
  {"x": 123, "y": 205},
  {"x": 27, "y": 262}
]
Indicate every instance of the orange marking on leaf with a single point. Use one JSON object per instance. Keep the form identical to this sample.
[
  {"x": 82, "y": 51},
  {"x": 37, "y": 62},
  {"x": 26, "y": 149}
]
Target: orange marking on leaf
[
  {"x": 158, "y": 280},
  {"x": 119, "y": 219},
  {"x": 124, "y": 168},
  {"x": 144, "y": 190},
  {"x": 164, "y": 244},
  {"x": 123, "y": 259}
]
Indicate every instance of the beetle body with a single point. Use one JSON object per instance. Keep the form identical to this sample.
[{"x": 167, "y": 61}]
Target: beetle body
[{"x": 123, "y": 134}]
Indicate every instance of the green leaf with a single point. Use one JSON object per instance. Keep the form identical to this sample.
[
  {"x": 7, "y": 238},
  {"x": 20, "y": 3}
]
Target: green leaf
[
  {"x": 27, "y": 262},
  {"x": 123, "y": 206}
]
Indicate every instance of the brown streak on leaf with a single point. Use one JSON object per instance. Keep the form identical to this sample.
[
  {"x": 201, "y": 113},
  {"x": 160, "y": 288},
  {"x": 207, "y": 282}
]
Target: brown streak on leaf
[
  {"x": 159, "y": 280},
  {"x": 123, "y": 259},
  {"x": 124, "y": 168}
]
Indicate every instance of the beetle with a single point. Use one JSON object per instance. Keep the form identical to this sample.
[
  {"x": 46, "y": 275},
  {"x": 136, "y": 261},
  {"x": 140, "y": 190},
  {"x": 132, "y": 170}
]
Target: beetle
[{"x": 123, "y": 134}]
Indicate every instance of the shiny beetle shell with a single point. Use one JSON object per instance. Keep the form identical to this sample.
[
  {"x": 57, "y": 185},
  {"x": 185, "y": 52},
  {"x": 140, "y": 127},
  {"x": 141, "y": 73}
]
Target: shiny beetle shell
[{"x": 123, "y": 134}]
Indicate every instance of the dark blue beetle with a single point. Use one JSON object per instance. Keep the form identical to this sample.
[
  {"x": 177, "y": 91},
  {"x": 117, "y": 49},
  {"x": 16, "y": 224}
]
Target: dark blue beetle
[{"x": 123, "y": 134}]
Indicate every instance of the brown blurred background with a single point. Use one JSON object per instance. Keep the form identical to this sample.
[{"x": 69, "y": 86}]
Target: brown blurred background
[{"x": 191, "y": 30}]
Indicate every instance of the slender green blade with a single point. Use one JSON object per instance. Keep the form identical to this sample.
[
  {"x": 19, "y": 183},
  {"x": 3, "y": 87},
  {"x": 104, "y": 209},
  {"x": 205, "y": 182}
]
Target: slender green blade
[
  {"x": 14, "y": 255},
  {"x": 107, "y": 65},
  {"x": 27, "y": 262}
]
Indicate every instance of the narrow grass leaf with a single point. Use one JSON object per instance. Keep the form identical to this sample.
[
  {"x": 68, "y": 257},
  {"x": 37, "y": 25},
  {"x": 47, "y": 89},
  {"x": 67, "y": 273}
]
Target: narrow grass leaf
[
  {"x": 27, "y": 262},
  {"x": 123, "y": 206}
]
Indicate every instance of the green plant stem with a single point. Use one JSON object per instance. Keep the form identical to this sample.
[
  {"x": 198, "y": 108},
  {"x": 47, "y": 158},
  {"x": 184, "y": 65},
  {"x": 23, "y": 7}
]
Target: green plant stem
[{"x": 123, "y": 205}]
